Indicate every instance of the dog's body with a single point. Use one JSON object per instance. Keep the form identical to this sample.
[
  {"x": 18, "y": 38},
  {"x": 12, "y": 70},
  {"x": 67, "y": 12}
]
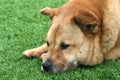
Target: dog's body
[{"x": 82, "y": 32}]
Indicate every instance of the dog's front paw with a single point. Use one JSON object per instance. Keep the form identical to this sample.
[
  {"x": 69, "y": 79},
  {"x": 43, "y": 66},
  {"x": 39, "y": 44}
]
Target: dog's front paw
[{"x": 28, "y": 54}]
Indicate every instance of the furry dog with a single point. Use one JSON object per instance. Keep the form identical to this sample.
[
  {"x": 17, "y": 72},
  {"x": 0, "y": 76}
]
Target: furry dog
[{"x": 83, "y": 32}]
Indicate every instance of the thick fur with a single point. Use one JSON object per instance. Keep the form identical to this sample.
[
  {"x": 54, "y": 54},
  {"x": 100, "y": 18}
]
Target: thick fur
[{"x": 86, "y": 47}]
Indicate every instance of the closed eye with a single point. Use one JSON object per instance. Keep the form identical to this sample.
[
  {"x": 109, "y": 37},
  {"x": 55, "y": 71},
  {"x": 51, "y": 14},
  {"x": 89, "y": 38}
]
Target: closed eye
[{"x": 64, "y": 46}]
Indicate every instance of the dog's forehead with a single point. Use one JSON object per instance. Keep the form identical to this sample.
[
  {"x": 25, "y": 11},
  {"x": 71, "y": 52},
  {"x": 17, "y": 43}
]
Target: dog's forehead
[
  {"x": 62, "y": 27},
  {"x": 67, "y": 32},
  {"x": 59, "y": 24}
]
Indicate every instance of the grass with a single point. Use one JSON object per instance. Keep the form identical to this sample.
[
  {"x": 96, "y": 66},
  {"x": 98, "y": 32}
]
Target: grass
[{"x": 21, "y": 28}]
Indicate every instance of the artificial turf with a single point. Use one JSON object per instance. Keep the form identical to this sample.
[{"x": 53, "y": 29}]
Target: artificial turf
[{"x": 21, "y": 28}]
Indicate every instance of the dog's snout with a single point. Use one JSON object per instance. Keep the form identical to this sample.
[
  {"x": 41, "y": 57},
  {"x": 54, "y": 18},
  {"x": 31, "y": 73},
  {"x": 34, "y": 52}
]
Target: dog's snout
[{"x": 47, "y": 66}]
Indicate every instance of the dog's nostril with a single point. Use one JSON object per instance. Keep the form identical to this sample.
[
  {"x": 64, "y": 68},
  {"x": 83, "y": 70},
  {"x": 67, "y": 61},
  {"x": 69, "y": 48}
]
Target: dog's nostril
[{"x": 47, "y": 66}]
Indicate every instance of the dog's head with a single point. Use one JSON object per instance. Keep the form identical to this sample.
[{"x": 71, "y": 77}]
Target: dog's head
[{"x": 73, "y": 37}]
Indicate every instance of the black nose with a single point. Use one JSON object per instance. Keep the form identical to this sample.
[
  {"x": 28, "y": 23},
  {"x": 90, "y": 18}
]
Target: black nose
[{"x": 47, "y": 66}]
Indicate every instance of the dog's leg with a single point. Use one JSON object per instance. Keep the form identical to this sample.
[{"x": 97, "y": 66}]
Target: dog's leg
[
  {"x": 36, "y": 52},
  {"x": 113, "y": 54}
]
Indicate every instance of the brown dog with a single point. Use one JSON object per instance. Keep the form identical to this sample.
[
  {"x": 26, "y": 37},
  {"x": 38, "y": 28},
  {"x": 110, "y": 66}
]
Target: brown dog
[{"x": 82, "y": 32}]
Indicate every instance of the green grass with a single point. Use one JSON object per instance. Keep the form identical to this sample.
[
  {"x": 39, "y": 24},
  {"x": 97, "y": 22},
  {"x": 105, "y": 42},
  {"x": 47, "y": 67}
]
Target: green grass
[{"x": 21, "y": 28}]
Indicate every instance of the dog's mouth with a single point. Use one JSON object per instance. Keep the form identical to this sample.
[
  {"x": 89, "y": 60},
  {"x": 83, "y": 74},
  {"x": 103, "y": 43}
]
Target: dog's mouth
[{"x": 48, "y": 67}]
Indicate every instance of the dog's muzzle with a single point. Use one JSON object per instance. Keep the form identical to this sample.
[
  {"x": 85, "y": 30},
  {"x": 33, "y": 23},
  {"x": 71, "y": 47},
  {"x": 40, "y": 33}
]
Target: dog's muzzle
[{"x": 47, "y": 66}]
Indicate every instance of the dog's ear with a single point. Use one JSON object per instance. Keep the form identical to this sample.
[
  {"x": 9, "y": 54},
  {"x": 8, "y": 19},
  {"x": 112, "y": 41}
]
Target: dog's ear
[
  {"x": 86, "y": 22},
  {"x": 91, "y": 28},
  {"x": 49, "y": 12},
  {"x": 46, "y": 11}
]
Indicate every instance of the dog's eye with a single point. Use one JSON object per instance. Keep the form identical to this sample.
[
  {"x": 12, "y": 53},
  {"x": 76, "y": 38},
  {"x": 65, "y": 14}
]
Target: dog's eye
[
  {"x": 64, "y": 46},
  {"x": 48, "y": 44}
]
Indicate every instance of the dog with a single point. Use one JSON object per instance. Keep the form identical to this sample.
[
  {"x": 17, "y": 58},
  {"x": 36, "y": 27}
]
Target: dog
[{"x": 83, "y": 32}]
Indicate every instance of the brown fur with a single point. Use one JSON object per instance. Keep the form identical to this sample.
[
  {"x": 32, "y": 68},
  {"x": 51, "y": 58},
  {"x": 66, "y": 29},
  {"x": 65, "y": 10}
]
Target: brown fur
[{"x": 87, "y": 48}]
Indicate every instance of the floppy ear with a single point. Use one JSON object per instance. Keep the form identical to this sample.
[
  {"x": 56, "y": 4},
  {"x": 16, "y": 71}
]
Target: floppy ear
[
  {"x": 49, "y": 12},
  {"x": 91, "y": 28},
  {"x": 86, "y": 22},
  {"x": 45, "y": 11}
]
